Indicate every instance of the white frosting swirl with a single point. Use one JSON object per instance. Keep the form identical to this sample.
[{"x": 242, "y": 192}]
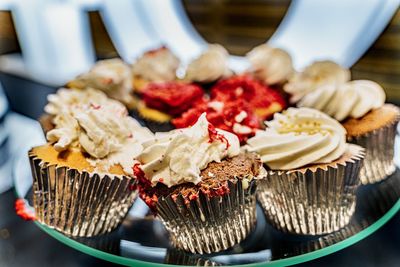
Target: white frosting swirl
[
  {"x": 210, "y": 66},
  {"x": 102, "y": 129},
  {"x": 352, "y": 99},
  {"x": 270, "y": 65},
  {"x": 315, "y": 75},
  {"x": 299, "y": 137},
  {"x": 113, "y": 76},
  {"x": 179, "y": 156},
  {"x": 158, "y": 65}
]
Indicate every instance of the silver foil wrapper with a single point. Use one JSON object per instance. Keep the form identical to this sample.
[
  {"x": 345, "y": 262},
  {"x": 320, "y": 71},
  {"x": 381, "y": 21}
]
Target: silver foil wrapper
[
  {"x": 78, "y": 203},
  {"x": 312, "y": 202},
  {"x": 210, "y": 224},
  {"x": 379, "y": 153}
]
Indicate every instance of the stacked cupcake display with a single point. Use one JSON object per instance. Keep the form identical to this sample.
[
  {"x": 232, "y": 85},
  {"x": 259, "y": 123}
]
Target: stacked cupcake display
[{"x": 214, "y": 142}]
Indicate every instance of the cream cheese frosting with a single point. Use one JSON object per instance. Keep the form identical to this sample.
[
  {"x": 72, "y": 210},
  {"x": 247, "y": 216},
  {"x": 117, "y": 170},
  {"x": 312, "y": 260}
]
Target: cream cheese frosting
[
  {"x": 349, "y": 100},
  {"x": 113, "y": 76},
  {"x": 210, "y": 66},
  {"x": 179, "y": 156},
  {"x": 99, "y": 126},
  {"x": 313, "y": 76},
  {"x": 157, "y": 65},
  {"x": 299, "y": 137},
  {"x": 269, "y": 64}
]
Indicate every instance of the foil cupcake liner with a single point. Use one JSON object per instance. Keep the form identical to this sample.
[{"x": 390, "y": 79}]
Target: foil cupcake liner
[
  {"x": 379, "y": 153},
  {"x": 312, "y": 202},
  {"x": 77, "y": 203},
  {"x": 210, "y": 224}
]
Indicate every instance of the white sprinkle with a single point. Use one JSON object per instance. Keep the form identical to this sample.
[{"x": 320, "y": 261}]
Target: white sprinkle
[
  {"x": 241, "y": 116},
  {"x": 211, "y": 174},
  {"x": 216, "y": 105},
  {"x": 241, "y": 129}
]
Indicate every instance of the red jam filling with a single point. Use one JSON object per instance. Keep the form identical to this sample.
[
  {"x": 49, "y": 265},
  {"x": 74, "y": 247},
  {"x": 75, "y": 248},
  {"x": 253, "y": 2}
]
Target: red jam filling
[
  {"x": 223, "y": 118},
  {"x": 23, "y": 211},
  {"x": 213, "y": 136},
  {"x": 258, "y": 95},
  {"x": 172, "y": 98}
]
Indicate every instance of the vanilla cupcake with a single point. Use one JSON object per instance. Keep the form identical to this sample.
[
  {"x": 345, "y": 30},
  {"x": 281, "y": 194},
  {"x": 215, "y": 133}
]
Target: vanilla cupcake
[
  {"x": 82, "y": 182},
  {"x": 200, "y": 185},
  {"x": 271, "y": 65},
  {"x": 210, "y": 66},
  {"x": 312, "y": 173},
  {"x": 360, "y": 106},
  {"x": 313, "y": 76},
  {"x": 112, "y": 76},
  {"x": 158, "y": 65}
]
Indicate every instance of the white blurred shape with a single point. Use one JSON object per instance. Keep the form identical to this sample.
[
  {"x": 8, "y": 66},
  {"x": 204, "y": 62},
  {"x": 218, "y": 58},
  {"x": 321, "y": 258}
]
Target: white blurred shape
[
  {"x": 337, "y": 30},
  {"x": 54, "y": 38}
]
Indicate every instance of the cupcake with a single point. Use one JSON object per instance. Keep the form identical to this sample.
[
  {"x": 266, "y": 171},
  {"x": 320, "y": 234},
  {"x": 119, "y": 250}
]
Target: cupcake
[
  {"x": 271, "y": 65},
  {"x": 112, "y": 76},
  {"x": 162, "y": 101},
  {"x": 313, "y": 76},
  {"x": 312, "y": 173},
  {"x": 82, "y": 177},
  {"x": 235, "y": 116},
  {"x": 263, "y": 100},
  {"x": 360, "y": 106},
  {"x": 200, "y": 185},
  {"x": 209, "y": 67},
  {"x": 158, "y": 65},
  {"x": 65, "y": 99}
]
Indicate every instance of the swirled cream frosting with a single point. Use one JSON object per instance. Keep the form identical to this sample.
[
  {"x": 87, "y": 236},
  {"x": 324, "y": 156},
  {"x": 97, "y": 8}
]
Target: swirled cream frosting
[
  {"x": 157, "y": 65},
  {"x": 349, "y": 100},
  {"x": 210, "y": 66},
  {"x": 313, "y": 76},
  {"x": 269, "y": 64},
  {"x": 178, "y": 156},
  {"x": 299, "y": 137},
  {"x": 98, "y": 126},
  {"x": 113, "y": 76}
]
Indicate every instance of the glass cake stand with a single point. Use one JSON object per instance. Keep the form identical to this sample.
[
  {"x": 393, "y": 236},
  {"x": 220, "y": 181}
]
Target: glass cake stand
[{"x": 142, "y": 240}]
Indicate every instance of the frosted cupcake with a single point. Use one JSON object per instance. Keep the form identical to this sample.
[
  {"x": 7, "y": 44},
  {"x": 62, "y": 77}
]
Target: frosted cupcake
[
  {"x": 271, "y": 65},
  {"x": 313, "y": 76},
  {"x": 200, "y": 185},
  {"x": 210, "y": 66},
  {"x": 112, "y": 76},
  {"x": 64, "y": 99},
  {"x": 82, "y": 177},
  {"x": 312, "y": 173},
  {"x": 158, "y": 65},
  {"x": 360, "y": 106}
]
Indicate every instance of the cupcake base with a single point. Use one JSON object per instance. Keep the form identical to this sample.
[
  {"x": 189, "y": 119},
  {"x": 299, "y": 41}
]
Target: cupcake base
[
  {"x": 378, "y": 143},
  {"x": 210, "y": 224},
  {"x": 313, "y": 200},
  {"x": 79, "y": 203}
]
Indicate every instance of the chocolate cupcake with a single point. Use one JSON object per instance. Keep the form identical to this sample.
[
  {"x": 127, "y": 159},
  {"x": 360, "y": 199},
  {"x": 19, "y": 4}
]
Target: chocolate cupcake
[
  {"x": 113, "y": 77},
  {"x": 157, "y": 65},
  {"x": 82, "y": 178},
  {"x": 312, "y": 173},
  {"x": 360, "y": 106},
  {"x": 201, "y": 186}
]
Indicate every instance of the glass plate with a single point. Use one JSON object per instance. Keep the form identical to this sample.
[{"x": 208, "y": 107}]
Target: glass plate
[{"x": 142, "y": 240}]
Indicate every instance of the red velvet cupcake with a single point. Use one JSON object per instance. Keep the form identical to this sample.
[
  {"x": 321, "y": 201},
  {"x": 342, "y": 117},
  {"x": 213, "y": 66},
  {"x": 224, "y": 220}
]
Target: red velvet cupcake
[{"x": 165, "y": 100}]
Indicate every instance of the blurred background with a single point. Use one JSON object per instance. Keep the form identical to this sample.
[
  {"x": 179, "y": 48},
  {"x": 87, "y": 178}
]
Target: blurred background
[{"x": 45, "y": 43}]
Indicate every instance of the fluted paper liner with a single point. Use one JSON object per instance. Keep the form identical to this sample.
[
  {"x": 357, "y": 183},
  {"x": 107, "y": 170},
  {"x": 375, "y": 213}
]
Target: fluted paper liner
[
  {"x": 313, "y": 200},
  {"x": 78, "y": 203},
  {"x": 210, "y": 224},
  {"x": 379, "y": 153}
]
